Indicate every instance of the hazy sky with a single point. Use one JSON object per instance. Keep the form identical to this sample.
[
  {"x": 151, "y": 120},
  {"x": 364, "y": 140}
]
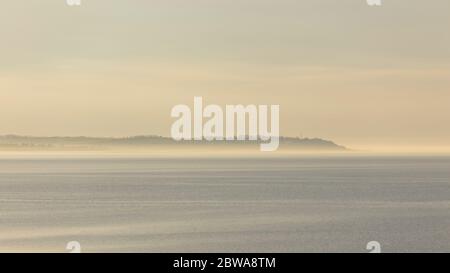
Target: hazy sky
[{"x": 359, "y": 75}]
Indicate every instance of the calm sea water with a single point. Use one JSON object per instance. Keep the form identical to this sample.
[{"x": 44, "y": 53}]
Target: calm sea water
[{"x": 310, "y": 204}]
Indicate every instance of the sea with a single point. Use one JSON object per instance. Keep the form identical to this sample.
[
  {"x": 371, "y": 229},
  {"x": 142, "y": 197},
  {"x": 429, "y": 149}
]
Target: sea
[{"x": 302, "y": 203}]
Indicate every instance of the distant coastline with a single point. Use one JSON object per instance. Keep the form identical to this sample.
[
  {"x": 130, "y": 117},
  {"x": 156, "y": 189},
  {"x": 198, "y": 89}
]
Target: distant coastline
[{"x": 149, "y": 142}]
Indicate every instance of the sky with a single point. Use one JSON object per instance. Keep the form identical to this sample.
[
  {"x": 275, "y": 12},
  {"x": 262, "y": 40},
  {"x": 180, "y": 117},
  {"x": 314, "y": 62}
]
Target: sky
[{"x": 364, "y": 77}]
